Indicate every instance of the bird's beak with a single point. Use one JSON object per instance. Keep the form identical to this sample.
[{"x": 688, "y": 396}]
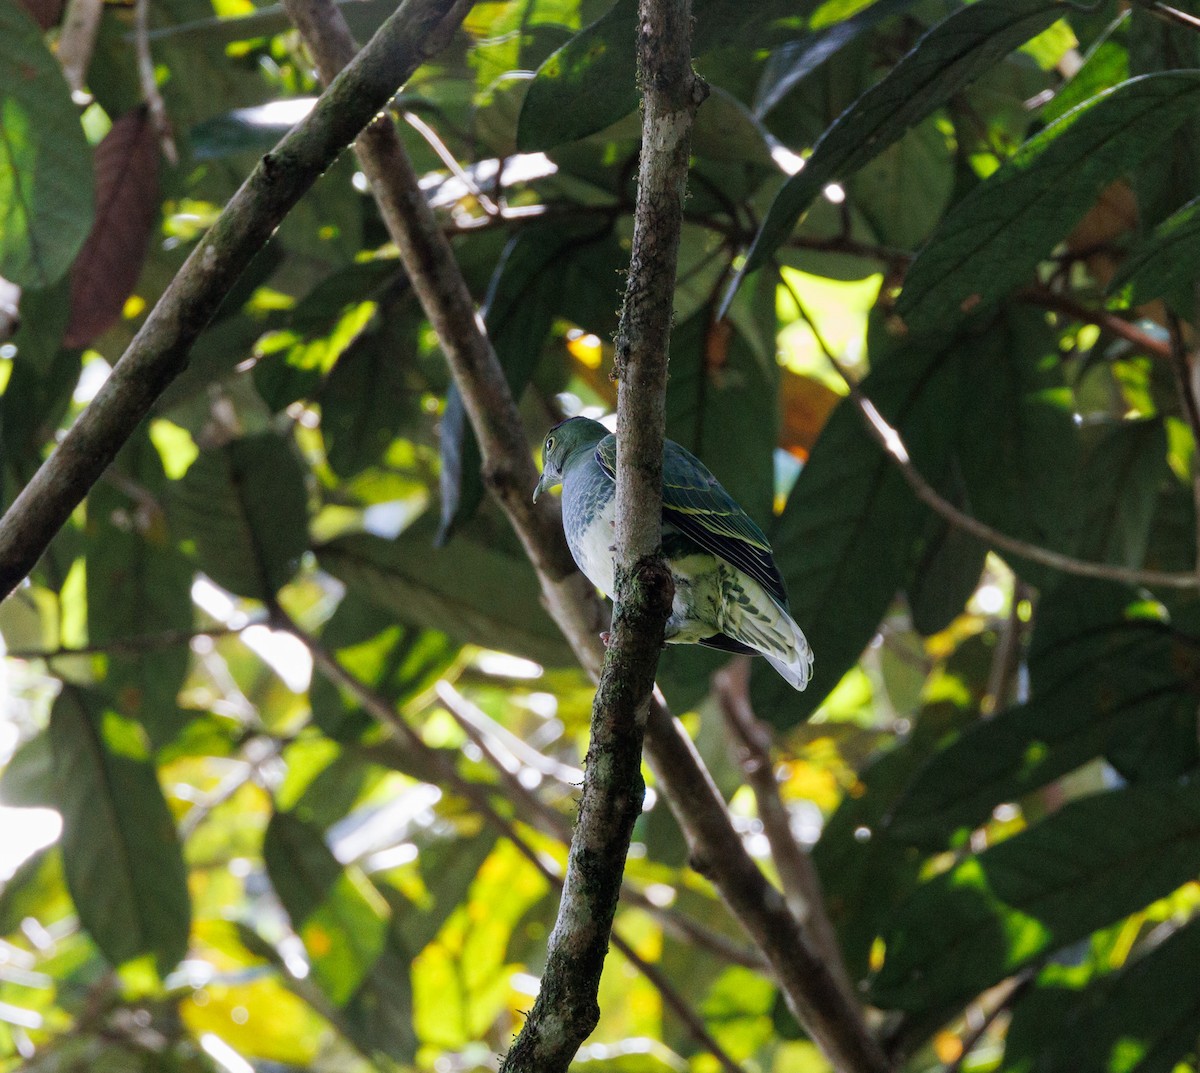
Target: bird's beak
[{"x": 543, "y": 485}]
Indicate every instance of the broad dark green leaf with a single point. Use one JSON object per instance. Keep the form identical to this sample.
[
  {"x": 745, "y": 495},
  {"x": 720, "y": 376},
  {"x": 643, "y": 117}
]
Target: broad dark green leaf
[
  {"x": 547, "y": 271},
  {"x": 1107, "y": 679},
  {"x": 846, "y": 537},
  {"x": 372, "y": 395},
  {"x": 1143, "y": 1019},
  {"x": 991, "y": 240},
  {"x": 1125, "y": 467},
  {"x": 45, "y": 163},
  {"x": 1167, "y": 180},
  {"x": 1165, "y": 261},
  {"x": 120, "y": 851},
  {"x": 1018, "y": 444},
  {"x": 945, "y": 574},
  {"x": 470, "y": 591},
  {"x": 1091, "y": 863},
  {"x": 138, "y": 583},
  {"x": 244, "y": 506},
  {"x": 599, "y": 65},
  {"x": 865, "y": 871},
  {"x": 948, "y": 57}
]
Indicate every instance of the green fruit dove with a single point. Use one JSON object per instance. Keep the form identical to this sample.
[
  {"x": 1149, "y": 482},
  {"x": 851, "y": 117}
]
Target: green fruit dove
[{"x": 728, "y": 592}]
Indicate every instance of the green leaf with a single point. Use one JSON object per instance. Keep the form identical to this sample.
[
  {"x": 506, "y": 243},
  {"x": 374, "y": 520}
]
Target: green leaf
[
  {"x": 45, "y": 162},
  {"x": 1106, "y": 681},
  {"x": 947, "y": 58},
  {"x": 994, "y": 237},
  {"x": 373, "y": 393},
  {"x": 1143, "y": 1019},
  {"x": 339, "y": 916},
  {"x": 944, "y": 576},
  {"x": 1091, "y": 863},
  {"x": 1018, "y": 445},
  {"x": 599, "y": 65},
  {"x": 245, "y": 508},
  {"x": 120, "y": 850},
  {"x": 138, "y": 583},
  {"x": 471, "y": 591},
  {"x": 1125, "y": 466},
  {"x": 845, "y": 539},
  {"x": 1165, "y": 261},
  {"x": 794, "y": 61}
]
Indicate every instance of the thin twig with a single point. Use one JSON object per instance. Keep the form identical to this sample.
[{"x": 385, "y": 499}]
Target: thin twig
[
  {"x": 890, "y": 440},
  {"x": 77, "y": 41},
  {"x": 150, "y": 91},
  {"x": 1102, "y": 318},
  {"x": 1170, "y": 14},
  {"x": 797, "y": 872},
  {"x": 490, "y": 208}
]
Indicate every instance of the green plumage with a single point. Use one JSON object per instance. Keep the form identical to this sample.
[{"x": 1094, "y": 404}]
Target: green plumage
[{"x": 728, "y": 592}]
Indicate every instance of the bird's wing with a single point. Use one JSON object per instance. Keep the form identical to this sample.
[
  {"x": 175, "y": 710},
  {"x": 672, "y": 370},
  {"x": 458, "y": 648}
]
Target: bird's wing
[{"x": 696, "y": 504}]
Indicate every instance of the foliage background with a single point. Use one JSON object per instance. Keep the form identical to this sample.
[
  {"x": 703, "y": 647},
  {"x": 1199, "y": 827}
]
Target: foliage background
[{"x": 995, "y": 765}]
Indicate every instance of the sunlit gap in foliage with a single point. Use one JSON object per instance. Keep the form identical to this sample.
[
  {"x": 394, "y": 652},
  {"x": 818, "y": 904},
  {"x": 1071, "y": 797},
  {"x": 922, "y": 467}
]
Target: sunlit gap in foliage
[
  {"x": 282, "y": 652},
  {"x": 23, "y": 831}
]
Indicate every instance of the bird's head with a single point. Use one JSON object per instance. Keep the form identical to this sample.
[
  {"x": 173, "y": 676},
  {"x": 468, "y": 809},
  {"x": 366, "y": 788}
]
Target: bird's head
[{"x": 564, "y": 441}]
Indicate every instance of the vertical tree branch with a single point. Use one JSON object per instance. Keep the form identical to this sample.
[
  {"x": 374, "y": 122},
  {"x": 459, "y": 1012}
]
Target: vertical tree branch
[
  {"x": 158, "y": 353},
  {"x": 566, "y": 1010}
]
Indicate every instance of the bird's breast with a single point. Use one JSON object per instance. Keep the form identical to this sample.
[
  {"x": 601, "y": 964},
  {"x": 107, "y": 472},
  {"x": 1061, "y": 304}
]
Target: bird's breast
[{"x": 589, "y": 520}]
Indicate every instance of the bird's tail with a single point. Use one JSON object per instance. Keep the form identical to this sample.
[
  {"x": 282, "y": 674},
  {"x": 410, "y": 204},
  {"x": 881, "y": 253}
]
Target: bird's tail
[{"x": 756, "y": 619}]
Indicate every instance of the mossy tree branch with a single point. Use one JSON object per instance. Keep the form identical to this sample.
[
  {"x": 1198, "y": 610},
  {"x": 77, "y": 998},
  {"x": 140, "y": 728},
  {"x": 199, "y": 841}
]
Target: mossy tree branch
[{"x": 159, "y": 352}]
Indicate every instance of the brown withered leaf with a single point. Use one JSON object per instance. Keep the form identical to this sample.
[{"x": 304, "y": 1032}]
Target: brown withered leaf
[
  {"x": 806, "y": 405},
  {"x": 108, "y": 265},
  {"x": 46, "y": 13}
]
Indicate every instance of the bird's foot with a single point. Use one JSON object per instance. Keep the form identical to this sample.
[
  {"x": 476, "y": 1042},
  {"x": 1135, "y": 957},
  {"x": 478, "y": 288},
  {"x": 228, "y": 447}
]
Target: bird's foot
[{"x": 606, "y": 638}]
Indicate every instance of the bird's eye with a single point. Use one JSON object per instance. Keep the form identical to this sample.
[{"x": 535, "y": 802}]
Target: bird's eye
[{"x": 549, "y": 444}]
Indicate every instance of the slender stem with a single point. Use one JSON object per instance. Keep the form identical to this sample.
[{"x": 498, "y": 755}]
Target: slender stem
[
  {"x": 146, "y": 75},
  {"x": 1170, "y": 14},
  {"x": 893, "y": 446}
]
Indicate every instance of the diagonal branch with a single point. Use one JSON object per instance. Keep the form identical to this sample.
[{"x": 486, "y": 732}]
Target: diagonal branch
[{"x": 158, "y": 353}]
